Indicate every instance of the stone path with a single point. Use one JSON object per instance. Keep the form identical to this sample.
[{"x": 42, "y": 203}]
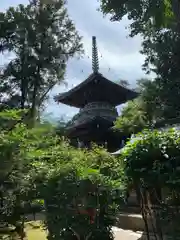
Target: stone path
[{"x": 121, "y": 234}]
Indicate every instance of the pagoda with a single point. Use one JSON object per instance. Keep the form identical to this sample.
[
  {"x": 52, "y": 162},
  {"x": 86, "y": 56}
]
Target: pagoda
[{"x": 97, "y": 98}]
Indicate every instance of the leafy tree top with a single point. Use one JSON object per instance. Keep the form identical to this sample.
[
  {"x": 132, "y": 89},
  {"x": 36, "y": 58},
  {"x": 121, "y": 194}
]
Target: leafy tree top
[
  {"x": 144, "y": 14},
  {"x": 141, "y": 112},
  {"x": 152, "y": 157},
  {"x": 42, "y": 38}
]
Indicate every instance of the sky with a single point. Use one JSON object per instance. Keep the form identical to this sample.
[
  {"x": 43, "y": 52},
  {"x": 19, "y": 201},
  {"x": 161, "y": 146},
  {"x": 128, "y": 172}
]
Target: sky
[{"x": 119, "y": 56}]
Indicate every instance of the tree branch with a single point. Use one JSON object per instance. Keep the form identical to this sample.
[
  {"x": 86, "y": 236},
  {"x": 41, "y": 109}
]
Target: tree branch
[{"x": 76, "y": 234}]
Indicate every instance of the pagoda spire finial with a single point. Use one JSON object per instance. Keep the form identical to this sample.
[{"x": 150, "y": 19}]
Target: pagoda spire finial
[{"x": 95, "y": 60}]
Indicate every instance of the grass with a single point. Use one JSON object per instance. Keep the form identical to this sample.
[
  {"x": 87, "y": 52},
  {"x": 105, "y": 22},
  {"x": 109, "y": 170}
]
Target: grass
[{"x": 35, "y": 231}]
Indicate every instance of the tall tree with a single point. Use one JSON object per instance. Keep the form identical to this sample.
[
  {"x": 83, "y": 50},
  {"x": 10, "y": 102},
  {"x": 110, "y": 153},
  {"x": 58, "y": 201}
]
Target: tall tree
[
  {"x": 43, "y": 38},
  {"x": 158, "y": 22}
]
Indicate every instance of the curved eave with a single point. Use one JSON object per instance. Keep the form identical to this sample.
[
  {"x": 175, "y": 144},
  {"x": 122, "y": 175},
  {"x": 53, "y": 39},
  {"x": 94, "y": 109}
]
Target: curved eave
[
  {"x": 91, "y": 121},
  {"x": 116, "y": 93}
]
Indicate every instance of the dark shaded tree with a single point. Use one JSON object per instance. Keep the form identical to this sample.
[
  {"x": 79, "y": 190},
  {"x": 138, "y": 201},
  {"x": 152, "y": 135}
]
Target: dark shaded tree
[
  {"x": 158, "y": 22},
  {"x": 43, "y": 38}
]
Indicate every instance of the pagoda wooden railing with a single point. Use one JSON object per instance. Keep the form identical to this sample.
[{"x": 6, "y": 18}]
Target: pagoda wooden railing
[
  {"x": 98, "y": 105},
  {"x": 94, "y": 110}
]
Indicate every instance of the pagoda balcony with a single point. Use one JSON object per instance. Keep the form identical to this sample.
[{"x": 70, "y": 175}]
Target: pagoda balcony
[
  {"x": 100, "y": 106},
  {"x": 95, "y": 109}
]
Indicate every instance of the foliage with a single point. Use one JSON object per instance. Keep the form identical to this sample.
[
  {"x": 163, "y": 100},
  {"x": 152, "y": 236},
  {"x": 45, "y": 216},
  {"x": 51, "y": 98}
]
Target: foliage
[
  {"x": 165, "y": 64},
  {"x": 149, "y": 98},
  {"x": 15, "y": 179},
  {"x": 158, "y": 24},
  {"x": 61, "y": 127},
  {"x": 152, "y": 150},
  {"x": 73, "y": 182},
  {"x": 141, "y": 112},
  {"x": 14, "y": 184},
  {"x": 132, "y": 119},
  {"x": 152, "y": 163},
  {"x": 143, "y": 14},
  {"x": 42, "y": 38},
  {"x": 9, "y": 118},
  {"x": 79, "y": 187}
]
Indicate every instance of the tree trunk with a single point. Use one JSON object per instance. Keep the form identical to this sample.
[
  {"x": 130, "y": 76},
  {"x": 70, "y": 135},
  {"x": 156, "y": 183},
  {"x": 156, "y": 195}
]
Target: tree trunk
[
  {"x": 35, "y": 97},
  {"x": 23, "y": 93},
  {"x": 24, "y": 83}
]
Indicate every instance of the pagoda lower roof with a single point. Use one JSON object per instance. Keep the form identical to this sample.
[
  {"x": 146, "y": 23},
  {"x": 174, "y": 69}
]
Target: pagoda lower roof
[
  {"x": 90, "y": 127},
  {"x": 96, "y": 88},
  {"x": 89, "y": 122}
]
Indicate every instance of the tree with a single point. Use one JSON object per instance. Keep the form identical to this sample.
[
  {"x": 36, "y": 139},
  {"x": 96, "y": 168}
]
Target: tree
[
  {"x": 162, "y": 51},
  {"x": 149, "y": 99},
  {"x": 144, "y": 15},
  {"x": 132, "y": 119},
  {"x": 141, "y": 112},
  {"x": 43, "y": 38},
  {"x": 159, "y": 25}
]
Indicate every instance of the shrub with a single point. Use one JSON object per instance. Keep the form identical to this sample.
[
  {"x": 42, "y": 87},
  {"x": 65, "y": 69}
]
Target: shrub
[
  {"x": 152, "y": 163},
  {"x": 82, "y": 194}
]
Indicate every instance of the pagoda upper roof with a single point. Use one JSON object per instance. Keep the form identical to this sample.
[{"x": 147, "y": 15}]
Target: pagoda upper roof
[{"x": 96, "y": 88}]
